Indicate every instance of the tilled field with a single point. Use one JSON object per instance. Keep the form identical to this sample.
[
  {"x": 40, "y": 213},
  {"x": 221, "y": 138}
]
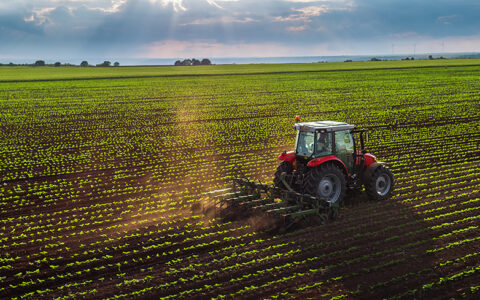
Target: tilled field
[{"x": 98, "y": 178}]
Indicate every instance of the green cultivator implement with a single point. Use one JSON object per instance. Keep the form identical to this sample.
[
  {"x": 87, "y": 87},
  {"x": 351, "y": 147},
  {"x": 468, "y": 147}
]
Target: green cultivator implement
[{"x": 285, "y": 206}]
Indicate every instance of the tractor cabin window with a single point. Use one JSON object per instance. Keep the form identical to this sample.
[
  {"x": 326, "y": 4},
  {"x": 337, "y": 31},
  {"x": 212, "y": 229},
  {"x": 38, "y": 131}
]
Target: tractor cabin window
[{"x": 344, "y": 147}]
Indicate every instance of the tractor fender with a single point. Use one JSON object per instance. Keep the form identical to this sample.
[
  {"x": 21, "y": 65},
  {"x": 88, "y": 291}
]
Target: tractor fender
[
  {"x": 367, "y": 174},
  {"x": 369, "y": 159},
  {"x": 329, "y": 158},
  {"x": 287, "y": 156}
]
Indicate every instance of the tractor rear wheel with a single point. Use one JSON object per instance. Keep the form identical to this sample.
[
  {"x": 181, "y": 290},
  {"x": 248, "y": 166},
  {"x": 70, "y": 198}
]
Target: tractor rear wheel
[
  {"x": 286, "y": 167},
  {"x": 326, "y": 181},
  {"x": 380, "y": 185}
]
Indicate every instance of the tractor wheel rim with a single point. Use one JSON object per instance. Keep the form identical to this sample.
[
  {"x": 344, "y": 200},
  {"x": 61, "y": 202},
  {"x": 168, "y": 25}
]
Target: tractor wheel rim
[
  {"x": 382, "y": 184},
  {"x": 329, "y": 188}
]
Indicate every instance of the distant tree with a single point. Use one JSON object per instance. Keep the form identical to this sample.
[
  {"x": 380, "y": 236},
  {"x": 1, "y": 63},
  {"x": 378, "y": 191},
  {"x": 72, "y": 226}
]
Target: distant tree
[
  {"x": 84, "y": 64},
  {"x": 430, "y": 57},
  {"x": 57, "y": 64},
  {"x": 375, "y": 59},
  {"x": 116, "y": 64},
  {"x": 195, "y": 62},
  {"x": 205, "y": 62},
  {"x": 348, "y": 60},
  {"x": 105, "y": 64},
  {"x": 40, "y": 63}
]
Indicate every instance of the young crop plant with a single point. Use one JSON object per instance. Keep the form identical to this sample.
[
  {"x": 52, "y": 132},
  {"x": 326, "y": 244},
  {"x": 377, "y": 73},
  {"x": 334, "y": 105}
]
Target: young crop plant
[{"x": 100, "y": 168}]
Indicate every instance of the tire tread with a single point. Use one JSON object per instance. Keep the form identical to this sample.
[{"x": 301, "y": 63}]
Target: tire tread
[{"x": 314, "y": 176}]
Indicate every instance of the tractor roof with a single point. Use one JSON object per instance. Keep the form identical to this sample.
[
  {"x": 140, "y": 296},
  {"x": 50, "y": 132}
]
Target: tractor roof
[{"x": 323, "y": 126}]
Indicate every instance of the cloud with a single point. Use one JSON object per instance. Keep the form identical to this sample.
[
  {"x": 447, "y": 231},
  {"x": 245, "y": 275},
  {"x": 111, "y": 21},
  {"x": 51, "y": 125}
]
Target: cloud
[
  {"x": 176, "y": 4},
  {"x": 297, "y": 28},
  {"x": 215, "y": 20},
  {"x": 316, "y": 15},
  {"x": 208, "y": 48},
  {"x": 213, "y": 3},
  {"x": 130, "y": 27},
  {"x": 116, "y": 6},
  {"x": 314, "y": 11},
  {"x": 39, "y": 16},
  {"x": 305, "y": 14},
  {"x": 447, "y": 19},
  {"x": 404, "y": 35},
  {"x": 29, "y": 19},
  {"x": 110, "y": 6},
  {"x": 212, "y": 48},
  {"x": 306, "y": 1}
]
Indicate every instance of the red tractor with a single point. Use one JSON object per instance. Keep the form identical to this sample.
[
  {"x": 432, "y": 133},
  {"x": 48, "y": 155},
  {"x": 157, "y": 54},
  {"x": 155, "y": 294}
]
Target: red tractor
[
  {"x": 328, "y": 159},
  {"x": 312, "y": 180}
]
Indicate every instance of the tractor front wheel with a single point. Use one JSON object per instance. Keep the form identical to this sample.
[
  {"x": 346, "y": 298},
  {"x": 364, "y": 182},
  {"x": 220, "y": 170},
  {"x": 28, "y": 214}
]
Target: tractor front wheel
[
  {"x": 380, "y": 185},
  {"x": 326, "y": 181}
]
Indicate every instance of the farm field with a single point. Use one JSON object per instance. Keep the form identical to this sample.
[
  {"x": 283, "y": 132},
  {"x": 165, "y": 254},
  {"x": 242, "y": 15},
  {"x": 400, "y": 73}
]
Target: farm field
[
  {"x": 75, "y": 73},
  {"x": 98, "y": 176}
]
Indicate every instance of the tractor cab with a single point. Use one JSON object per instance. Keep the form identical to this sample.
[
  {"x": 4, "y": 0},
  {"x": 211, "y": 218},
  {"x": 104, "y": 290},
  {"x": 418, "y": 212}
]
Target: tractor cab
[{"x": 324, "y": 138}]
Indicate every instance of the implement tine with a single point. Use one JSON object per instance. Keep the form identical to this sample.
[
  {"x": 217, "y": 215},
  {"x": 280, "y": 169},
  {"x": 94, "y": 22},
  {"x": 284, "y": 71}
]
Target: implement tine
[{"x": 217, "y": 191}]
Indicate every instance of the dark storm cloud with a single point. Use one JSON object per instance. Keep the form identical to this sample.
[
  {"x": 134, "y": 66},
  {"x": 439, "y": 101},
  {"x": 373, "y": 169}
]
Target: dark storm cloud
[
  {"x": 13, "y": 25},
  {"x": 422, "y": 17},
  {"x": 124, "y": 27},
  {"x": 365, "y": 19}
]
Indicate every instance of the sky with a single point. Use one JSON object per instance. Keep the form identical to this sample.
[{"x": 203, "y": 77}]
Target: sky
[{"x": 64, "y": 29}]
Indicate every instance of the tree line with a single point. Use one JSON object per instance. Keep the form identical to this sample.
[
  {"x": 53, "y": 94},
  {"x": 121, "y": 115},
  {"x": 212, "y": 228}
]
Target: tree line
[
  {"x": 41, "y": 63},
  {"x": 193, "y": 62}
]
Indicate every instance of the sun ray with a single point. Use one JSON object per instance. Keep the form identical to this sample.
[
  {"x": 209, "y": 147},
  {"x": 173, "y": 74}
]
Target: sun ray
[{"x": 176, "y": 4}]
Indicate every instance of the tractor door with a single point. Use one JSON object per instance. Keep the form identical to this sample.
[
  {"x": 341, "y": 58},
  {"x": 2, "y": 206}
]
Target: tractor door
[{"x": 344, "y": 148}]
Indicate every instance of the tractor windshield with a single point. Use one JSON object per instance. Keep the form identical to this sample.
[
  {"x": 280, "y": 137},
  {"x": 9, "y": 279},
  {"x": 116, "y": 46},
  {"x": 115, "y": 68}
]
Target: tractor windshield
[{"x": 304, "y": 144}]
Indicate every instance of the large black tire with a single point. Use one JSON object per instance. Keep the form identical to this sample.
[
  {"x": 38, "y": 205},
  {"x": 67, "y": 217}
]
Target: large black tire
[
  {"x": 380, "y": 185},
  {"x": 326, "y": 181},
  {"x": 286, "y": 167}
]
